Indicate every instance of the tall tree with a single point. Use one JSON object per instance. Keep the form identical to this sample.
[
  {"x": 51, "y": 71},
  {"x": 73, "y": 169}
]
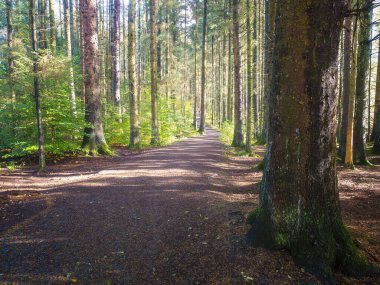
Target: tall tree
[
  {"x": 376, "y": 119},
  {"x": 133, "y": 93},
  {"x": 66, "y": 19},
  {"x": 195, "y": 105},
  {"x": 203, "y": 70},
  {"x": 299, "y": 202},
  {"x": 364, "y": 54},
  {"x": 248, "y": 140},
  {"x": 153, "y": 72},
  {"x": 238, "y": 139},
  {"x": 115, "y": 53},
  {"x": 347, "y": 50},
  {"x": 36, "y": 87},
  {"x": 11, "y": 60},
  {"x": 53, "y": 28},
  {"x": 93, "y": 140},
  {"x": 42, "y": 15}
]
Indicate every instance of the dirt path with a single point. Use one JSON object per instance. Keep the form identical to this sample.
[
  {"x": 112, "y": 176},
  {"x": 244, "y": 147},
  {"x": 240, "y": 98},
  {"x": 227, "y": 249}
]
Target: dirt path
[{"x": 173, "y": 215}]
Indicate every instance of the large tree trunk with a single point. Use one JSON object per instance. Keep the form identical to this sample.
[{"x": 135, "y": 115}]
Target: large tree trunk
[
  {"x": 346, "y": 83},
  {"x": 153, "y": 72},
  {"x": 133, "y": 93},
  {"x": 299, "y": 202},
  {"x": 364, "y": 53},
  {"x": 203, "y": 70},
  {"x": 93, "y": 140},
  {"x": 238, "y": 139},
  {"x": 36, "y": 85},
  {"x": 115, "y": 53},
  {"x": 53, "y": 29},
  {"x": 66, "y": 20}
]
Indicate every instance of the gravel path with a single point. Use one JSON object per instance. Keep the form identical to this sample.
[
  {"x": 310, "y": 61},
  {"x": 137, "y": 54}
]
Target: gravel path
[{"x": 173, "y": 215}]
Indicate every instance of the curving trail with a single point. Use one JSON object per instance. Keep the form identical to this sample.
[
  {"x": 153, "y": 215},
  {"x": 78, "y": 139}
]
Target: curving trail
[{"x": 173, "y": 215}]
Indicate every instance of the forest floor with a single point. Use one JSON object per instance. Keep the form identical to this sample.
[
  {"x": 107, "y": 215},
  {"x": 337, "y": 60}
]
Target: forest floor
[{"x": 173, "y": 215}]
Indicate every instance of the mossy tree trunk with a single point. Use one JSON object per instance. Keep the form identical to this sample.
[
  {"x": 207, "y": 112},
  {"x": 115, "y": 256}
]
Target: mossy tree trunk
[
  {"x": 238, "y": 139},
  {"x": 134, "y": 137},
  {"x": 93, "y": 140},
  {"x": 364, "y": 54},
  {"x": 299, "y": 201}
]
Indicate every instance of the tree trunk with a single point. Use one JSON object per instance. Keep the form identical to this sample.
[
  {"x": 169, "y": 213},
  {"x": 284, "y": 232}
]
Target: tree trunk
[
  {"x": 299, "y": 201},
  {"x": 133, "y": 93},
  {"x": 203, "y": 70},
  {"x": 42, "y": 14},
  {"x": 346, "y": 83},
  {"x": 53, "y": 29},
  {"x": 229, "y": 79},
  {"x": 11, "y": 60},
  {"x": 69, "y": 51},
  {"x": 153, "y": 72},
  {"x": 93, "y": 140},
  {"x": 375, "y": 135},
  {"x": 36, "y": 85},
  {"x": 195, "y": 65},
  {"x": 364, "y": 53},
  {"x": 248, "y": 142},
  {"x": 255, "y": 69},
  {"x": 376, "y": 119},
  {"x": 82, "y": 54},
  {"x": 238, "y": 139},
  {"x": 115, "y": 53}
]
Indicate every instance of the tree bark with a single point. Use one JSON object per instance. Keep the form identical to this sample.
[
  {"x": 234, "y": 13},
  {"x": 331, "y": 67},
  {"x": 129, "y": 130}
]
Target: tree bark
[
  {"x": 153, "y": 72},
  {"x": 93, "y": 140},
  {"x": 238, "y": 139},
  {"x": 203, "y": 70},
  {"x": 133, "y": 93},
  {"x": 36, "y": 86},
  {"x": 364, "y": 53},
  {"x": 299, "y": 201}
]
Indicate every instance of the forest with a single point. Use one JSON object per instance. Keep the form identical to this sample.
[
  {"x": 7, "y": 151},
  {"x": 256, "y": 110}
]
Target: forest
[{"x": 189, "y": 142}]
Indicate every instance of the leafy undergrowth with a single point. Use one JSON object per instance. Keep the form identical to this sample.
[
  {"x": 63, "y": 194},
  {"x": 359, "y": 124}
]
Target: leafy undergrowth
[{"x": 226, "y": 136}]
